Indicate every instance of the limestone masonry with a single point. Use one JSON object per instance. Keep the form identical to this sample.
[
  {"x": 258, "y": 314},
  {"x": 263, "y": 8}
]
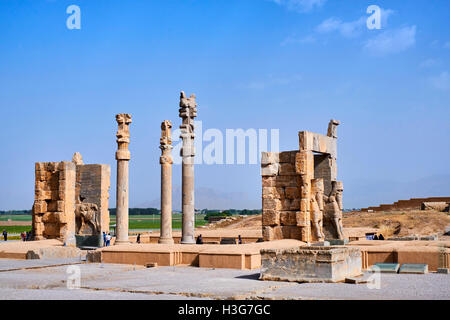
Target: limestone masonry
[
  {"x": 301, "y": 197},
  {"x": 71, "y": 198}
]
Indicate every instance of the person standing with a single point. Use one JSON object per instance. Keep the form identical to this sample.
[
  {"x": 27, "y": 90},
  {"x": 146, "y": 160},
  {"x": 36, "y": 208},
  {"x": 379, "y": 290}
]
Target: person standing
[
  {"x": 138, "y": 239},
  {"x": 104, "y": 238},
  {"x": 108, "y": 239},
  {"x": 5, "y": 235}
]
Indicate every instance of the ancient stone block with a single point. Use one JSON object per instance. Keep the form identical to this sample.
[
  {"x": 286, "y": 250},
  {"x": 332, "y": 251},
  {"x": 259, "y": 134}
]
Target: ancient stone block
[
  {"x": 270, "y": 170},
  {"x": 55, "y": 206},
  {"x": 269, "y": 158},
  {"x": 292, "y": 193},
  {"x": 40, "y": 207},
  {"x": 267, "y": 233},
  {"x": 50, "y": 217},
  {"x": 287, "y": 169},
  {"x": 270, "y": 217},
  {"x": 268, "y": 181},
  {"x": 288, "y": 218},
  {"x": 286, "y": 181},
  {"x": 288, "y": 204},
  {"x": 271, "y": 193},
  {"x": 302, "y": 218},
  {"x": 310, "y": 264},
  {"x": 304, "y": 164},
  {"x": 304, "y": 205},
  {"x": 42, "y": 195},
  {"x": 285, "y": 156},
  {"x": 272, "y": 204}
]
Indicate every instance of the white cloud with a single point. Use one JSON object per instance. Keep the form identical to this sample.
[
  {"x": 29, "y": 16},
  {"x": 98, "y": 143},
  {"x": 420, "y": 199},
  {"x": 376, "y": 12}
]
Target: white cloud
[
  {"x": 351, "y": 29},
  {"x": 392, "y": 41},
  {"x": 301, "y": 5},
  {"x": 385, "y": 14},
  {"x": 429, "y": 63},
  {"x": 441, "y": 82},
  {"x": 347, "y": 29}
]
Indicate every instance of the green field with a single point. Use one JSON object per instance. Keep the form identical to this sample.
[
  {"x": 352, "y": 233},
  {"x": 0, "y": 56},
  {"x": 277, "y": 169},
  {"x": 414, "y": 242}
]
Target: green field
[
  {"x": 13, "y": 217},
  {"x": 135, "y": 222}
]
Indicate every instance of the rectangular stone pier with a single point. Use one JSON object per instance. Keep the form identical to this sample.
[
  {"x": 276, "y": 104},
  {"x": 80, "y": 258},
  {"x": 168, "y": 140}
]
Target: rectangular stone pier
[{"x": 310, "y": 264}]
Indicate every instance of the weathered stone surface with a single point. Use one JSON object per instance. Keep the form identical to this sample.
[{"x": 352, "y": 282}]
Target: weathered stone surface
[
  {"x": 292, "y": 193},
  {"x": 123, "y": 157},
  {"x": 271, "y": 204},
  {"x": 268, "y": 181},
  {"x": 310, "y": 264},
  {"x": 166, "y": 183},
  {"x": 318, "y": 212},
  {"x": 438, "y": 206},
  {"x": 271, "y": 217},
  {"x": 54, "y": 253},
  {"x": 269, "y": 158},
  {"x": 270, "y": 170},
  {"x": 59, "y": 183},
  {"x": 273, "y": 193},
  {"x": 288, "y": 218},
  {"x": 94, "y": 256},
  {"x": 187, "y": 112}
]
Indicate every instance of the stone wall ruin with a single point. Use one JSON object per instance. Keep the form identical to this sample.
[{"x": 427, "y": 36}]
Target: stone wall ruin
[{"x": 301, "y": 197}]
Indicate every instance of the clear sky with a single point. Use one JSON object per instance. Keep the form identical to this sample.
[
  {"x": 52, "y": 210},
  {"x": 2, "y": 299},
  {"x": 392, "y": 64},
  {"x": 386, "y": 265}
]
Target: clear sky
[{"x": 290, "y": 65}]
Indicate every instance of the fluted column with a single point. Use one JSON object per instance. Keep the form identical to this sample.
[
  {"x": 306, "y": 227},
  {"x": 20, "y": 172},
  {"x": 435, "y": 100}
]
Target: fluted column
[
  {"x": 188, "y": 111},
  {"x": 123, "y": 157},
  {"x": 166, "y": 162}
]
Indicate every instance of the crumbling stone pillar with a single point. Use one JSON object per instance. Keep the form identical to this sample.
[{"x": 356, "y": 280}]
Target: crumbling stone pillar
[
  {"x": 123, "y": 157},
  {"x": 54, "y": 205},
  {"x": 188, "y": 111},
  {"x": 166, "y": 162},
  {"x": 301, "y": 197}
]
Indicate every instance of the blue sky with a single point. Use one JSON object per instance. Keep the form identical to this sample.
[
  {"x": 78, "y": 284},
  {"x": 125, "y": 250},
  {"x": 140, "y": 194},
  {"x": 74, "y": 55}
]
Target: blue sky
[{"x": 284, "y": 64}]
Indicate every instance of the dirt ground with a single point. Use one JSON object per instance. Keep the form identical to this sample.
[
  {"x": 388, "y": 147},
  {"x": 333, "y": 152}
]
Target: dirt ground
[
  {"x": 400, "y": 223},
  {"x": 390, "y": 224}
]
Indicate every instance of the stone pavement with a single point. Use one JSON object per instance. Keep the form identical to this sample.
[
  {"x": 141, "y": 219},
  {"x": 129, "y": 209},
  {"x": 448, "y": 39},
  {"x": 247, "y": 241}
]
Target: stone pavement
[{"x": 48, "y": 280}]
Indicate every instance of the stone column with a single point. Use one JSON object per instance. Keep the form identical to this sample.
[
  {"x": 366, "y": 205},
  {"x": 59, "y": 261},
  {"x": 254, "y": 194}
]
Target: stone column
[
  {"x": 166, "y": 162},
  {"x": 123, "y": 158},
  {"x": 188, "y": 111}
]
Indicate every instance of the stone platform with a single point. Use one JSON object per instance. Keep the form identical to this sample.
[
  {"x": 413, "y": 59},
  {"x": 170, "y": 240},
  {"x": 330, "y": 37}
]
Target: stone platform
[
  {"x": 436, "y": 254},
  {"x": 311, "y": 264},
  {"x": 209, "y": 236},
  {"x": 243, "y": 257}
]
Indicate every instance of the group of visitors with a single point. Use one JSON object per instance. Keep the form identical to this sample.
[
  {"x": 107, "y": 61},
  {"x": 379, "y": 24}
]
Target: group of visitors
[
  {"x": 25, "y": 236},
  {"x": 106, "y": 239}
]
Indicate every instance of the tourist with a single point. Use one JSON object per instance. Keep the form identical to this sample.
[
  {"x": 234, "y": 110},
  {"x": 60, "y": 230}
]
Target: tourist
[
  {"x": 380, "y": 237},
  {"x": 108, "y": 239},
  {"x": 199, "y": 240},
  {"x": 5, "y": 235},
  {"x": 375, "y": 237},
  {"x": 104, "y": 238},
  {"x": 22, "y": 236},
  {"x": 138, "y": 239},
  {"x": 239, "y": 239}
]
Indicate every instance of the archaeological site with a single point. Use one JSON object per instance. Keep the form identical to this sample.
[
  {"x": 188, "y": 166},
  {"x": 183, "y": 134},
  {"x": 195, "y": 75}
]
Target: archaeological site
[{"x": 277, "y": 151}]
